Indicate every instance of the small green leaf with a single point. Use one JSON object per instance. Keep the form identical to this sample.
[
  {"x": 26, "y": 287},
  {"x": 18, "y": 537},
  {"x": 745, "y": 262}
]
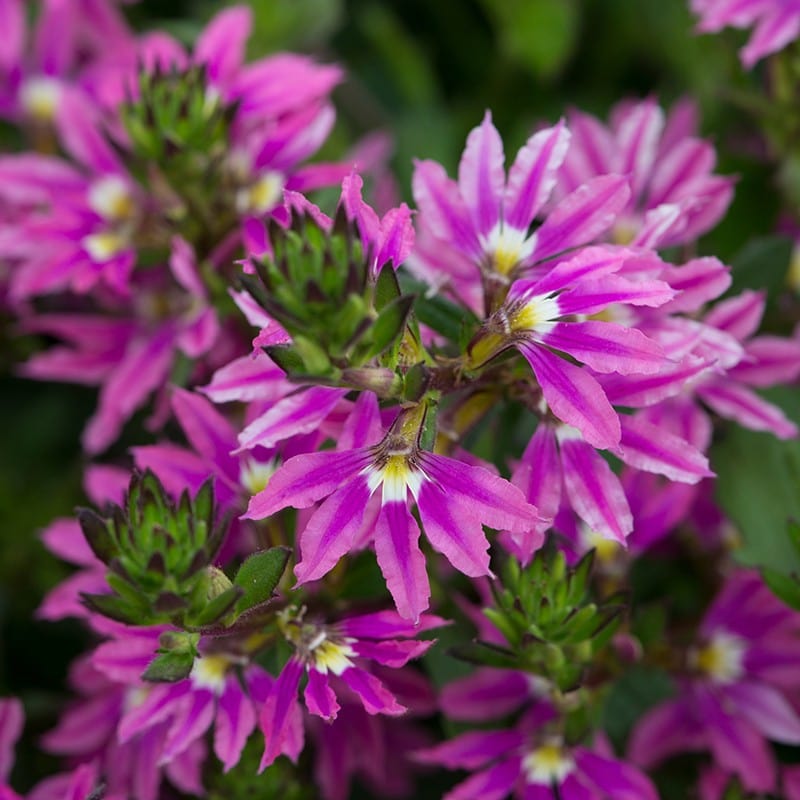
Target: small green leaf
[
  {"x": 486, "y": 654},
  {"x": 170, "y": 667},
  {"x": 286, "y": 357},
  {"x": 387, "y": 289},
  {"x": 259, "y": 575},
  {"x": 97, "y": 535},
  {"x": 113, "y": 607},
  {"x": 218, "y": 607},
  {"x": 785, "y": 587},
  {"x": 389, "y": 325}
]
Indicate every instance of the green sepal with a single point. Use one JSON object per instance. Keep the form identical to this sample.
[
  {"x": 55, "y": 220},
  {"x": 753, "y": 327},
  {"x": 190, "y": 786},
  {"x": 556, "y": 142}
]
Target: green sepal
[
  {"x": 389, "y": 325},
  {"x": 217, "y": 608},
  {"x": 114, "y": 607},
  {"x": 259, "y": 575},
  {"x": 169, "y": 667},
  {"x": 387, "y": 289},
  {"x": 97, "y": 534},
  {"x": 286, "y": 357}
]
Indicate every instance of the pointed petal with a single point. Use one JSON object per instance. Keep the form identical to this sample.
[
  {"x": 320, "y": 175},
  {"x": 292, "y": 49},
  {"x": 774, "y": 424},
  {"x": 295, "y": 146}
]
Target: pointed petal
[
  {"x": 481, "y": 176},
  {"x": 594, "y": 491},
  {"x": 471, "y": 750},
  {"x": 400, "y": 559},
  {"x": 221, "y": 45},
  {"x": 235, "y": 721},
  {"x": 277, "y": 712},
  {"x": 767, "y": 710},
  {"x": 574, "y": 396},
  {"x": 304, "y": 479},
  {"x": 189, "y": 725},
  {"x": 615, "y": 778},
  {"x": 320, "y": 698},
  {"x": 374, "y": 696},
  {"x": 768, "y": 360},
  {"x": 331, "y": 531},
  {"x": 582, "y": 216},
  {"x": 734, "y": 401},
  {"x": 739, "y": 316},
  {"x": 649, "y": 448},
  {"x": 442, "y": 209},
  {"x": 606, "y": 346},
  {"x": 533, "y": 174}
]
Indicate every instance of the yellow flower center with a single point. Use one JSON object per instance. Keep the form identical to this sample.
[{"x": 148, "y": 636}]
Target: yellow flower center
[
  {"x": 111, "y": 199},
  {"x": 721, "y": 659},
  {"x": 104, "y": 245},
  {"x": 547, "y": 765},
  {"x": 209, "y": 672},
  {"x": 39, "y": 98},
  {"x": 262, "y": 195}
]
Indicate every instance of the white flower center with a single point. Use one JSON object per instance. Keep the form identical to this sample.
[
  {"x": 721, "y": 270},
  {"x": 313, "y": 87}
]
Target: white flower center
[
  {"x": 397, "y": 477},
  {"x": 547, "y": 765},
  {"x": 209, "y": 673},
  {"x": 254, "y": 475},
  {"x": 110, "y": 197},
  {"x": 537, "y": 313},
  {"x": 721, "y": 658},
  {"x": 104, "y": 245},
  {"x": 262, "y": 195},
  {"x": 507, "y": 247},
  {"x": 329, "y": 655},
  {"x": 39, "y": 98}
]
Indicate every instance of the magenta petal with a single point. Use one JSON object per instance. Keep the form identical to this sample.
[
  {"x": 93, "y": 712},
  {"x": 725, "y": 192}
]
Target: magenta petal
[
  {"x": 454, "y": 529},
  {"x": 638, "y": 135},
  {"x": 485, "y": 694},
  {"x": 331, "y": 531},
  {"x": 493, "y": 784},
  {"x": 374, "y": 696},
  {"x": 533, "y": 175},
  {"x": 650, "y": 448},
  {"x": 386, "y": 625},
  {"x": 739, "y": 316},
  {"x": 481, "y": 176},
  {"x": 277, "y": 712},
  {"x": 392, "y": 654},
  {"x": 209, "y": 433},
  {"x": 443, "y": 210},
  {"x": 236, "y": 719},
  {"x": 615, "y": 778},
  {"x": 301, "y": 412},
  {"x": 768, "y": 360},
  {"x": 538, "y": 473},
  {"x": 482, "y": 497},
  {"x": 734, "y": 401},
  {"x": 471, "y": 750},
  {"x": 304, "y": 479},
  {"x": 606, "y": 346},
  {"x": 773, "y": 32},
  {"x": 159, "y": 704},
  {"x": 698, "y": 281},
  {"x": 664, "y": 731},
  {"x": 590, "y": 263},
  {"x": 400, "y": 559},
  {"x": 592, "y": 296},
  {"x": 594, "y": 491},
  {"x": 12, "y": 23},
  {"x": 582, "y": 216},
  {"x": 766, "y": 709},
  {"x": 320, "y": 698},
  {"x": 574, "y": 396},
  {"x": 11, "y": 722},
  {"x": 190, "y": 724},
  {"x": 221, "y": 45},
  {"x": 246, "y": 379}
]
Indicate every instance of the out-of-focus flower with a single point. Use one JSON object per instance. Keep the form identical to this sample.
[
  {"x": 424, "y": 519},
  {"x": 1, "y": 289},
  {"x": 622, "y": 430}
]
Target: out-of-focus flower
[{"x": 776, "y": 22}]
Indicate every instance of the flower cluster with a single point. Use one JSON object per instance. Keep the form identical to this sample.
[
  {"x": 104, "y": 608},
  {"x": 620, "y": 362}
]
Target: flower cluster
[{"x": 529, "y": 367}]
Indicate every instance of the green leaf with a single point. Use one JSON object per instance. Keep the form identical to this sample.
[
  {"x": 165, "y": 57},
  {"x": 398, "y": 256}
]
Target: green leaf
[
  {"x": 387, "y": 288},
  {"x": 97, "y": 535},
  {"x": 389, "y": 325},
  {"x": 785, "y": 587},
  {"x": 762, "y": 263},
  {"x": 218, "y": 607},
  {"x": 486, "y": 654},
  {"x": 169, "y": 667},
  {"x": 259, "y": 575},
  {"x": 286, "y": 357},
  {"x": 114, "y": 607}
]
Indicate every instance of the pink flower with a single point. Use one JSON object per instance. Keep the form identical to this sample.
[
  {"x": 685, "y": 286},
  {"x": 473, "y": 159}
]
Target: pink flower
[
  {"x": 484, "y": 219},
  {"x": 529, "y": 763},
  {"x": 453, "y": 500},
  {"x": 777, "y": 23},
  {"x": 741, "y": 673},
  {"x": 675, "y": 196},
  {"x": 338, "y": 656}
]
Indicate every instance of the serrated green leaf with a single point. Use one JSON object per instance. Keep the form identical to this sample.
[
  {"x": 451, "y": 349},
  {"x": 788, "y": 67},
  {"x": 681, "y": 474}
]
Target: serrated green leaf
[
  {"x": 169, "y": 667},
  {"x": 259, "y": 575}
]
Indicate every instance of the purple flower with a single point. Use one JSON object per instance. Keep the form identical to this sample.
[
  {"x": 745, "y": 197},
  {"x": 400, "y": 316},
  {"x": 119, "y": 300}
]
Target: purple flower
[
  {"x": 332, "y": 656},
  {"x": 777, "y": 23},
  {"x": 530, "y": 763},
  {"x": 484, "y": 219},
  {"x": 534, "y": 319},
  {"x": 675, "y": 197},
  {"x": 741, "y": 673},
  {"x": 454, "y": 500}
]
